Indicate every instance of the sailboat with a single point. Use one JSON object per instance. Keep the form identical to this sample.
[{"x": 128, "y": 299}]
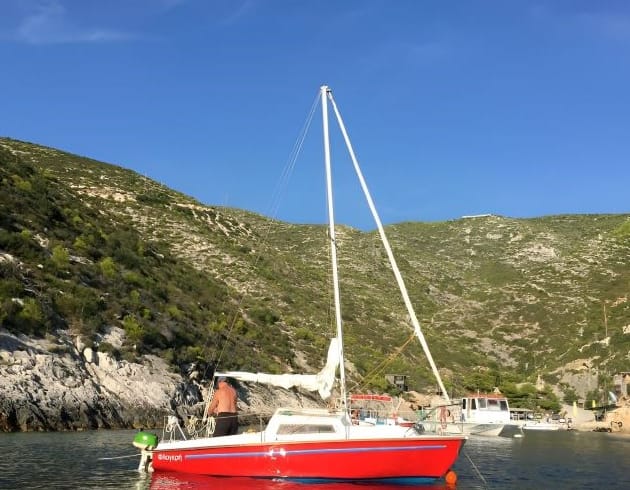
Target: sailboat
[{"x": 317, "y": 444}]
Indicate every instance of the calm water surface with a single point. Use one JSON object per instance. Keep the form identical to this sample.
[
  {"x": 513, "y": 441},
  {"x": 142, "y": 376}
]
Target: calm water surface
[{"x": 563, "y": 460}]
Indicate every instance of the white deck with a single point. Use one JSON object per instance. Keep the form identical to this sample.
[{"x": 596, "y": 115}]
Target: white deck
[{"x": 310, "y": 425}]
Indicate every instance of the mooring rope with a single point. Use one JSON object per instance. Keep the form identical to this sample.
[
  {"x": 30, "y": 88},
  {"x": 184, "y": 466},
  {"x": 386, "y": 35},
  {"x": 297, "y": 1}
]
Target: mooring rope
[
  {"x": 485, "y": 483},
  {"x": 135, "y": 455}
]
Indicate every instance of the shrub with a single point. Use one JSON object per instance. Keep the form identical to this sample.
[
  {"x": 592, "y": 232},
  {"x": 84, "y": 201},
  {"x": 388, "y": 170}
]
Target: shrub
[
  {"x": 108, "y": 267},
  {"x": 133, "y": 278},
  {"x": 133, "y": 329},
  {"x": 569, "y": 395},
  {"x": 60, "y": 258},
  {"x": 108, "y": 348}
]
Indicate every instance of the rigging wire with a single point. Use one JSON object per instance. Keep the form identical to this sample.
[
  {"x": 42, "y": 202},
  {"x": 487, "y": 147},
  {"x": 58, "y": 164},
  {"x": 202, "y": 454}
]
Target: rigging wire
[
  {"x": 274, "y": 206},
  {"x": 380, "y": 368}
]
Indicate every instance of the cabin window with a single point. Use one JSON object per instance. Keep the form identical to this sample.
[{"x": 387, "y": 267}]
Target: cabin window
[
  {"x": 493, "y": 405},
  {"x": 504, "y": 405},
  {"x": 464, "y": 404},
  {"x": 473, "y": 403},
  {"x": 305, "y": 429},
  {"x": 482, "y": 403}
]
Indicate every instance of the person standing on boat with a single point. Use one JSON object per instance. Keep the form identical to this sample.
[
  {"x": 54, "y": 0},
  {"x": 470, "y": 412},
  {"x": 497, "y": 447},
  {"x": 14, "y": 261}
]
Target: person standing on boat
[{"x": 223, "y": 406}]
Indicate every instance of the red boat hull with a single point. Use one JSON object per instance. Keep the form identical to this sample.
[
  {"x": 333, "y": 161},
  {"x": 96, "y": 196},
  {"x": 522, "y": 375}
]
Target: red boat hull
[{"x": 327, "y": 460}]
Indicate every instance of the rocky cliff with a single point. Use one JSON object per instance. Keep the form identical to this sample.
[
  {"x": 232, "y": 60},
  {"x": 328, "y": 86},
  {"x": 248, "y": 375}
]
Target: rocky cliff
[{"x": 60, "y": 384}]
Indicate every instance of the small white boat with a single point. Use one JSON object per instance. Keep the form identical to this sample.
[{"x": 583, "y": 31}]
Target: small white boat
[
  {"x": 527, "y": 420},
  {"x": 476, "y": 414},
  {"x": 539, "y": 425}
]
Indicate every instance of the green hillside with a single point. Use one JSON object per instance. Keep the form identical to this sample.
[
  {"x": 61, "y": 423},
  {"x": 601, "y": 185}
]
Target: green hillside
[{"x": 85, "y": 245}]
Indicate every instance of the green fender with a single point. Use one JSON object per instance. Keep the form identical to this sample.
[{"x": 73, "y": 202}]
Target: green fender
[{"x": 145, "y": 440}]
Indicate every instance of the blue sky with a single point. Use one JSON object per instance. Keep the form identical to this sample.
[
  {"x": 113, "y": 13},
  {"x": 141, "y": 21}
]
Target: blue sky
[{"x": 517, "y": 108}]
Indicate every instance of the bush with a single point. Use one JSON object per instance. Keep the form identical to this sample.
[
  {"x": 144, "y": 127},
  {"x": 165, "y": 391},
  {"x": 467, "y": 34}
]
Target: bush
[
  {"x": 20, "y": 244},
  {"x": 60, "y": 258},
  {"x": 133, "y": 278},
  {"x": 24, "y": 317},
  {"x": 264, "y": 315},
  {"x": 108, "y": 267},
  {"x": 133, "y": 329},
  {"x": 153, "y": 197},
  {"x": 569, "y": 395},
  {"x": 108, "y": 348}
]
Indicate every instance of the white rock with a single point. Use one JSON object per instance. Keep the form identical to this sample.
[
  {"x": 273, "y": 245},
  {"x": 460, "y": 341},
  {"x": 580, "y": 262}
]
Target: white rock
[{"x": 88, "y": 354}]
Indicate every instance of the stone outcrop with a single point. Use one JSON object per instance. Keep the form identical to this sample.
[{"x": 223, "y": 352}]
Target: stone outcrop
[{"x": 61, "y": 384}]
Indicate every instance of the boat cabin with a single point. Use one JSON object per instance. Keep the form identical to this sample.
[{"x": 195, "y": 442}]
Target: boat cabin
[
  {"x": 485, "y": 409},
  {"x": 312, "y": 424},
  {"x": 305, "y": 424}
]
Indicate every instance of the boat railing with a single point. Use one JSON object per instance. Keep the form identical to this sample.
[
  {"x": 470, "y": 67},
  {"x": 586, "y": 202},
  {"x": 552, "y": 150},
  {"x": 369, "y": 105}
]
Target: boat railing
[
  {"x": 435, "y": 419},
  {"x": 385, "y": 413},
  {"x": 450, "y": 410},
  {"x": 194, "y": 427}
]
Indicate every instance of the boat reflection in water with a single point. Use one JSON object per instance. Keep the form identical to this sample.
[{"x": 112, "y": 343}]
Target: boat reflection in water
[{"x": 171, "y": 480}]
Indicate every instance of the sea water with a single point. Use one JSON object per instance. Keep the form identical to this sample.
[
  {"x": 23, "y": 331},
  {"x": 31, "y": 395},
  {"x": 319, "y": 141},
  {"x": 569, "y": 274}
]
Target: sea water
[{"x": 107, "y": 459}]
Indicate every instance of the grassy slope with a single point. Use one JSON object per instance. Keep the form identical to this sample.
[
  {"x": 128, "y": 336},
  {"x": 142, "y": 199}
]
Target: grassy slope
[{"x": 513, "y": 298}]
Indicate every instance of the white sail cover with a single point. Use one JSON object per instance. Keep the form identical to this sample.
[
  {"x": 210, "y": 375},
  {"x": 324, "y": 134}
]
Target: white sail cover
[{"x": 321, "y": 382}]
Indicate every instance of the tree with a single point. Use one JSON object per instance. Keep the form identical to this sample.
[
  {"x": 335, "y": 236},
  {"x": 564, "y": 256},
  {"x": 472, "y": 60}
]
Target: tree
[
  {"x": 569, "y": 394},
  {"x": 547, "y": 400}
]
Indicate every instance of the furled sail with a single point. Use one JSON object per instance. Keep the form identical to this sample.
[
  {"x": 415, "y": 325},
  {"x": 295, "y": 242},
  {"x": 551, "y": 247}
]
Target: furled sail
[{"x": 321, "y": 382}]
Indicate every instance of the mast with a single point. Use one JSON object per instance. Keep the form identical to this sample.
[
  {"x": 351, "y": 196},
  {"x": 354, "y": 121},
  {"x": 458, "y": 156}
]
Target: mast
[
  {"x": 390, "y": 255},
  {"x": 325, "y": 91}
]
